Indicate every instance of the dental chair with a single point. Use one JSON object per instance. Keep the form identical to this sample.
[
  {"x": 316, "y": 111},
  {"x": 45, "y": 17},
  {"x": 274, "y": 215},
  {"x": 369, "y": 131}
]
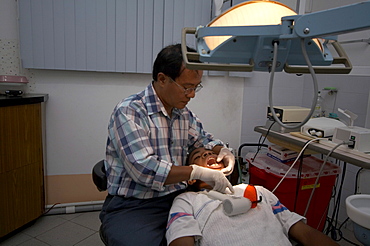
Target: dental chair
[
  {"x": 100, "y": 181},
  {"x": 99, "y": 177}
]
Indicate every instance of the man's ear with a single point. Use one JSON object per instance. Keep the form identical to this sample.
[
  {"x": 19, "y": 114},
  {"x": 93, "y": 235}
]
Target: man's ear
[
  {"x": 161, "y": 78},
  {"x": 191, "y": 182}
]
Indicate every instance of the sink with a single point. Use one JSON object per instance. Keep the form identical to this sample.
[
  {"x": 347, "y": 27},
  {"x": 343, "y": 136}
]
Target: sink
[{"x": 358, "y": 210}]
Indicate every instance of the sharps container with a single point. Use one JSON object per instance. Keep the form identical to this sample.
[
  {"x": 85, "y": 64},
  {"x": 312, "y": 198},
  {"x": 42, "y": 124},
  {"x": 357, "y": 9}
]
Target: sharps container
[{"x": 295, "y": 192}]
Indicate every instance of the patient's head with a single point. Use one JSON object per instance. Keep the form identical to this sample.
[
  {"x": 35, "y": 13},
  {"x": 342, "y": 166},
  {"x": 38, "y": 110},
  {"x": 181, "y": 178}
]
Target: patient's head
[{"x": 204, "y": 158}]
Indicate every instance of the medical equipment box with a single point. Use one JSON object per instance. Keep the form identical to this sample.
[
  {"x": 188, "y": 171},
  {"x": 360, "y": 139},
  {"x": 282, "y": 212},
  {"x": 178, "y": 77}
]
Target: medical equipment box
[
  {"x": 360, "y": 137},
  {"x": 280, "y": 153},
  {"x": 289, "y": 114},
  {"x": 295, "y": 192}
]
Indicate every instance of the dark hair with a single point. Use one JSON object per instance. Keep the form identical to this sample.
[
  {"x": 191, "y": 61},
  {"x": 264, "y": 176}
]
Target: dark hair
[
  {"x": 169, "y": 61},
  {"x": 192, "y": 187},
  {"x": 190, "y": 150}
]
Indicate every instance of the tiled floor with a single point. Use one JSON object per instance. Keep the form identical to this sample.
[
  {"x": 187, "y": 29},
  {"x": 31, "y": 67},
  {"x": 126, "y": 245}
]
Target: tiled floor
[{"x": 80, "y": 229}]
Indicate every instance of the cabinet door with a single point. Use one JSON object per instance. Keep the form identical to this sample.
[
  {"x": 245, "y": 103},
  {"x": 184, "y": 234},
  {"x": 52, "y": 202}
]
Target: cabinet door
[
  {"x": 103, "y": 35},
  {"x": 21, "y": 166}
]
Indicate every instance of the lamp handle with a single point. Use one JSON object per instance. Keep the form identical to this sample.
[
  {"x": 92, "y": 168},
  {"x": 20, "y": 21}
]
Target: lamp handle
[
  {"x": 342, "y": 59},
  {"x": 207, "y": 66}
]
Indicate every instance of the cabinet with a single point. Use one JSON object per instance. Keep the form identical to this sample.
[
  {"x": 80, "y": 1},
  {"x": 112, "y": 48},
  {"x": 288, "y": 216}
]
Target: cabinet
[{"x": 21, "y": 165}]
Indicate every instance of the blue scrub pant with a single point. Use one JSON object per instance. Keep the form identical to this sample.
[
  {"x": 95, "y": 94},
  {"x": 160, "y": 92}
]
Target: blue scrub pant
[{"x": 136, "y": 222}]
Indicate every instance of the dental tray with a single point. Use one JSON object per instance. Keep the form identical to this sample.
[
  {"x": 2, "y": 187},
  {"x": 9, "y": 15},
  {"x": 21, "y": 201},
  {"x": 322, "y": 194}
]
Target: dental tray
[{"x": 13, "y": 80}]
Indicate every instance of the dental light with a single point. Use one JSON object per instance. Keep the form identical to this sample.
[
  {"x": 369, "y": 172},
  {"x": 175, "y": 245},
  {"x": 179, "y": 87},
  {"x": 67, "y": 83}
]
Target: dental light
[{"x": 243, "y": 38}]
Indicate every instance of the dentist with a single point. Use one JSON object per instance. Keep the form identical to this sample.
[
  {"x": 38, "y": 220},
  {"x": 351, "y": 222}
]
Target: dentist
[{"x": 149, "y": 136}]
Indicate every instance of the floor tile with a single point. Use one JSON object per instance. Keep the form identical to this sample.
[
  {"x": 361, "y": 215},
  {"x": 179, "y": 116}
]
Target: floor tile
[
  {"x": 67, "y": 233},
  {"x": 93, "y": 240},
  {"x": 16, "y": 240},
  {"x": 33, "y": 242},
  {"x": 43, "y": 224},
  {"x": 90, "y": 220},
  {"x": 69, "y": 216}
]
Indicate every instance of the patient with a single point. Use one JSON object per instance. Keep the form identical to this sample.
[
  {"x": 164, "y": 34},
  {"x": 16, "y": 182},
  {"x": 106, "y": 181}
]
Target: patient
[{"x": 197, "y": 219}]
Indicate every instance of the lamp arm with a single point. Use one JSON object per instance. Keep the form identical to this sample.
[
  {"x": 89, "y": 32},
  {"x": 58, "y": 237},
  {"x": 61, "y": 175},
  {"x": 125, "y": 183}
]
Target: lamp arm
[{"x": 334, "y": 21}]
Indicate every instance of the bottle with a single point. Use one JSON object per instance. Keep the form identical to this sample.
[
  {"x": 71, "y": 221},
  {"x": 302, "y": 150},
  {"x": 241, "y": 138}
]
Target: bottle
[{"x": 318, "y": 108}]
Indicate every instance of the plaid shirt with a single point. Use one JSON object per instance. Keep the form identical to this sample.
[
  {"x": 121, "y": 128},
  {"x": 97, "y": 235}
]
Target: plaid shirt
[{"x": 143, "y": 144}]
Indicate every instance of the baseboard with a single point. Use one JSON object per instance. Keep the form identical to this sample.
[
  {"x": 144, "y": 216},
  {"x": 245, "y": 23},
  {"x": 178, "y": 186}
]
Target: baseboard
[{"x": 69, "y": 208}]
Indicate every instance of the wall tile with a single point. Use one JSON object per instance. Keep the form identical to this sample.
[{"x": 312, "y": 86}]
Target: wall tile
[{"x": 9, "y": 57}]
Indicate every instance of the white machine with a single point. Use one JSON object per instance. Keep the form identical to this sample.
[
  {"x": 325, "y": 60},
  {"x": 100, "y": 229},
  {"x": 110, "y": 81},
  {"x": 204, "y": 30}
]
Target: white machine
[
  {"x": 321, "y": 127},
  {"x": 358, "y": 135},
  {"x": 289, "y": 114}
]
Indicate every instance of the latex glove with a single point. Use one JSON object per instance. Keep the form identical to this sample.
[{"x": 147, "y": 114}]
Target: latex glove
[
  {"x": 212, "y": 177},
  {"x": 228, "y": 160}
]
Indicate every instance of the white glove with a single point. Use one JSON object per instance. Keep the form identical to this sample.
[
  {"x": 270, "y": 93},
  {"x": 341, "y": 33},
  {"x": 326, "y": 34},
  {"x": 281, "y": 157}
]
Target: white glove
[
  {"x": 212, "y": 177},
  {"x": 228, "y": 160}
]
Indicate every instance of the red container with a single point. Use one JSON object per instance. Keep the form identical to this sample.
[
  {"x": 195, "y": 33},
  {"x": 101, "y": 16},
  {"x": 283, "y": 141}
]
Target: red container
[{"x": 294, "y": 193}]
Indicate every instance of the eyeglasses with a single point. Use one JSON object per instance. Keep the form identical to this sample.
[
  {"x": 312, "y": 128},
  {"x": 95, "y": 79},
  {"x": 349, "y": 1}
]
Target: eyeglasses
[{"x": 188, "y": 90}]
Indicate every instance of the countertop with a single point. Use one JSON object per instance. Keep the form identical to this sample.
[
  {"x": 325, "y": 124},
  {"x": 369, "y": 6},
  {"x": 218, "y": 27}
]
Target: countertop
[
  {"x": 291, "y": 141},
  {"x": 27, "y": 98}
]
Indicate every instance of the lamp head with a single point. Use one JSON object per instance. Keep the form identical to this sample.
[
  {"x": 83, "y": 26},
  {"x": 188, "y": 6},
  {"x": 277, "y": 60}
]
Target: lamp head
[{"x": 254, "y": 28}]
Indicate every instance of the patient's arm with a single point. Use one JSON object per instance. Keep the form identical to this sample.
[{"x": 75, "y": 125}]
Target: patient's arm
[
  {"x": 307, "y": 235},
  {"x": 183, "y": 241}
]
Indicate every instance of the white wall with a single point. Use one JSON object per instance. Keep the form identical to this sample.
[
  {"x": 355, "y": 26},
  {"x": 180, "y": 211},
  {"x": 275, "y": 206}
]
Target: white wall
[
  {"x": 8, "y": 14},
  {"x": 287, "y": 90},
  {"x": 80, "y": 104}
]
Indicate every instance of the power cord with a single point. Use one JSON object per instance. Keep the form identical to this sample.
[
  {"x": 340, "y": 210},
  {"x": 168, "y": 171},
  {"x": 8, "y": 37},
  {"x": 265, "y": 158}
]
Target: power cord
[
  {"x": 357, "y": 177},
  {"x": 321, "y": 169},
  {"x": 296, "y": 159},
  {"x": 298, "y": 185},
  {"x": 259, "y": 141},
  {"x": 332, "y": 228},
  {"x": 314, "y": 81},
  {"x": 341, "y": 234},
  {"x": 47, "y": 211},
  {"x": 333, "y": 221}
]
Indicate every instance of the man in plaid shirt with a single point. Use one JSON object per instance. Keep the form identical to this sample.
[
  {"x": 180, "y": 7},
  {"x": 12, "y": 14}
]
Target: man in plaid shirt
[{"x": 149, "y": 135}]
